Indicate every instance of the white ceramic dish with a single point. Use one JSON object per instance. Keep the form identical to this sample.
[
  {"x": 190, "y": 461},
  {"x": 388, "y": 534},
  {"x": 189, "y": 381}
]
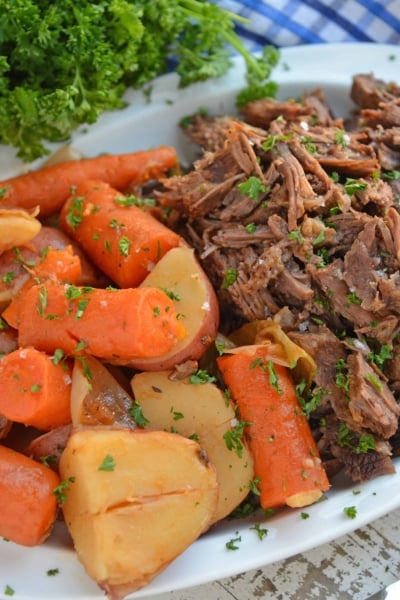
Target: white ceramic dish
[{"x": 140, "y": 126}]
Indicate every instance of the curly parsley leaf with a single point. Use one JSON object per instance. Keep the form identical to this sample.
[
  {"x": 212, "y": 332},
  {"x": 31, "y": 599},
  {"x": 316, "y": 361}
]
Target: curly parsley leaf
[{"x": 62, "y": 64}]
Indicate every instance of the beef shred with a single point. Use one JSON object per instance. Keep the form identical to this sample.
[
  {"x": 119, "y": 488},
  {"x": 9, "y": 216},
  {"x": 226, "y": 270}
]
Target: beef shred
[{"x": 294, "y": 214}]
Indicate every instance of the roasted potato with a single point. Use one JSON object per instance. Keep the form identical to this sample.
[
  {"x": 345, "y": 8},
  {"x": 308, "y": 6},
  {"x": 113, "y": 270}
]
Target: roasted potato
[
  {"x": 135, "y": 500},
  {"x": 201, "y": 411},
  {"x": 182, "y": 277}
]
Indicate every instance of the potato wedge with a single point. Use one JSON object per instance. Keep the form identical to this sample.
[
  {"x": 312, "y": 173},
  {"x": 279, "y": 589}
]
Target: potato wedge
[
  {"x": 203, "y": 411},
  {"x": 180, "y": 274},
  {"x": 136, "y": 500}
]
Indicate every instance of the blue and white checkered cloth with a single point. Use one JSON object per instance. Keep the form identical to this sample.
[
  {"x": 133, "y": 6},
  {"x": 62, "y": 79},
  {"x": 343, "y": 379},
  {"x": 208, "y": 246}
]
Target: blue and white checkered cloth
[{"x": 291, "y": 22}]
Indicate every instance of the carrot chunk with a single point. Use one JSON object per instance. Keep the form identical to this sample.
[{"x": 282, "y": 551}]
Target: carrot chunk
[
  {"x": 28, "y": 506},
  {"x": 34, "y": 389},
  {"x": 62, "y": 264},
  {"x": 288, "y": 468},
  {"x": 116, "y": 325},
  {"x": 49, "y": 187},
  {"x": 124, "y": 241}
]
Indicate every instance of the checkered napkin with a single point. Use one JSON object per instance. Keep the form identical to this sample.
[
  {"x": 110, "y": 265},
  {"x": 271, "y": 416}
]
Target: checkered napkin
[{"x": 291, "y": 22}]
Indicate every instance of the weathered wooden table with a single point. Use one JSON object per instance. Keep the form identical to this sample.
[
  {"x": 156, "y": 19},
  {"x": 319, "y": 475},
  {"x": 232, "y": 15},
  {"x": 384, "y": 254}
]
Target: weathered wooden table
[{"x": 350, "y": 568}]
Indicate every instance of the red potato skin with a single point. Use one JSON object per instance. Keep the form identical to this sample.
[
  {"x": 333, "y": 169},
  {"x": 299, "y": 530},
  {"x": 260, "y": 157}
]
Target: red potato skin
[
  {"x": 8, "y": 341},
  {"x": 190, "y": 348},
  {"x": 28, "y": 506},
  {"x": 49, "y": 187},
  {"x": 49, "y": 444},
  {"x": 104, "y": 222}
]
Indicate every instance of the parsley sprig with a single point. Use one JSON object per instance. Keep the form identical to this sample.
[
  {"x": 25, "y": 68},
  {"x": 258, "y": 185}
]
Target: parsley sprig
[{"x": 62, "y": 64}]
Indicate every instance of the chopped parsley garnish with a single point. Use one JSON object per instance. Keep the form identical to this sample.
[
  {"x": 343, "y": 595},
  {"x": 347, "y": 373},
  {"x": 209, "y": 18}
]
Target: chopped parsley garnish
[
  {"x": 8, "y": 277},
  {"x": 8, "y": 591},
  {"x": 309, "y": 144},
  {"x": 61, "y": 488},
  {"x": 272, "y": 140},
  {"x": 296, "y": 235},
  {"x": 342, "y": 138},
  {"x": 75, "y": 212},
  {"x": 251, "y": 227},
  {"x": 352, "y": 186},
  {"x": 108, "y": 463},
  {"x": 234, "y": 436},
  {"x": 176, "y": 415},
  {"x": 379, "y": 358},
  {"x": 310, "y": 399},
  {"x": 342, "y": 378},
  {"x": 229, "y": 278},
  {"x": 42, "y": 301},
  {"x": 374, "y": 381},
  {"x": 58, "y": 356},
  {"x": 232, "y": 544},
  {"x": 391, "y": 175},
  {"x": 124, "y": 245},
  {"x": 136, "y": 412},
  {"x": 260, "y": 531},
  {"x": 253, "y": 187},
  {"x": 352, "y": 298},
  {"x": 200, "y": 377},
  {"x": 273, "y": 377},
  {"x": 254, "y": 486},
  {"x": 350, "y": 511},
  {"x": 359, "y": 444}
]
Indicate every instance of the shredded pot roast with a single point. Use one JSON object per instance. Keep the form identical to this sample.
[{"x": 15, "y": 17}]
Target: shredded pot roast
[{"x": 294, "y": 214}]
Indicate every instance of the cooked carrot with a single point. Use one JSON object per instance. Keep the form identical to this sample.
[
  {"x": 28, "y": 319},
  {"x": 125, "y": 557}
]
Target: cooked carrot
[
  {"x": 121, "y": 239},
  {"x": 116, "y": 325},
  {"x": 49, "y": 187},
  {"x": 28, "y": 505},
  {"x": 63, "y": 265},
  {"x": 35, "y": 389},
  {"x": 288, "y": 468},
  {"x": 16, "y": 263}
]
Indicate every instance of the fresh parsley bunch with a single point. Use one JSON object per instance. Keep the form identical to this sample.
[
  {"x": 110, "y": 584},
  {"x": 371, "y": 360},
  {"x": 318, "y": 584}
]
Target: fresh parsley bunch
[{"x": 63, "y": 63}]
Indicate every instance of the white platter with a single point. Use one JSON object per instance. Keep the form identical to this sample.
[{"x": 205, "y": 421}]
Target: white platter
[{"x": 142, "y": 125}]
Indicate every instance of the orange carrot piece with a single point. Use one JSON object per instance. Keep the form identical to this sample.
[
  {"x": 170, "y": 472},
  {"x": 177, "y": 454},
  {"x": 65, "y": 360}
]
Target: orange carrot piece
[
  {"x": 287, "y": 463},
  {"x": 112, "y": 324},
  {"x": 121, "y": 239},
  {"x": 62, "y": 264},
  {"x": 16, "y": 263},
  {"x": 28, "y": 505},
  {"x": 49, "y": 187},
  {"x": 35, "y": 389}
]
